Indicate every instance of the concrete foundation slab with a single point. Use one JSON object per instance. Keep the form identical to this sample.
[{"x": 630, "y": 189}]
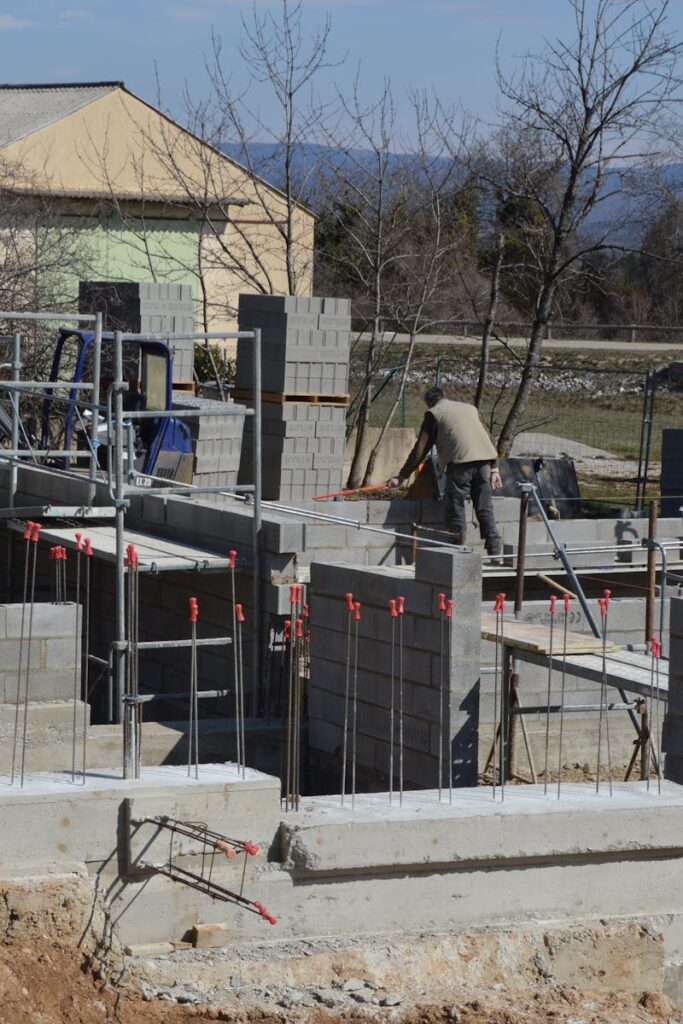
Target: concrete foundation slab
[{"x": 325, "y": 837}]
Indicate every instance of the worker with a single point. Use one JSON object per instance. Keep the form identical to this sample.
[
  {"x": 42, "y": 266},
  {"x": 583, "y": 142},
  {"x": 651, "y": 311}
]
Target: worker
[{"x": 469, "y": 459}]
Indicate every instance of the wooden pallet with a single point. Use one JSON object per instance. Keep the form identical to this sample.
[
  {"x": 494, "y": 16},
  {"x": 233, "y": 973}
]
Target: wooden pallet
[
  {"x": 278, "y": 398},
  {"x": 526, "y": 636}
]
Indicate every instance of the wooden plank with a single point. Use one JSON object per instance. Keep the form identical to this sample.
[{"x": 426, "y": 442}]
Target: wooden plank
[
  {"x": 282, "y": 398},
  {"x": 150, "y": 549},
  {"x": 526, "y": 636},
  {"x": 631, "y": 678}
]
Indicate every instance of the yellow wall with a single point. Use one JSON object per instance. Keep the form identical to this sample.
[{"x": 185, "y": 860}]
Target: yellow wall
[{"x": 118, "y": 146}]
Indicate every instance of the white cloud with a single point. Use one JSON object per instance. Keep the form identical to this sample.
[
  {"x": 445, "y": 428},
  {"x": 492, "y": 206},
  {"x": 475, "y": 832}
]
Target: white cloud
[{"x": 8, "y": 22}]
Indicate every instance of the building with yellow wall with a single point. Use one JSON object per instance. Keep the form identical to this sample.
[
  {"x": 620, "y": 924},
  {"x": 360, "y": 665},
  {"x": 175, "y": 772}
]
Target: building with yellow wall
[{"x": 126, "y": 193}]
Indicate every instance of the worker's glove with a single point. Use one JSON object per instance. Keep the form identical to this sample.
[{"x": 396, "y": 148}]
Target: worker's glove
[
  {"x": 394, "y": 481},
  {"x": 496, "y": 481}
]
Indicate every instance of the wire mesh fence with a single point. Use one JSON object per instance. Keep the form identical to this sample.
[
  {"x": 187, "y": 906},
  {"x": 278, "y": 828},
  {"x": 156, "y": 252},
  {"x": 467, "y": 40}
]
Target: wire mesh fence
[{"x": 609, "y": 422}]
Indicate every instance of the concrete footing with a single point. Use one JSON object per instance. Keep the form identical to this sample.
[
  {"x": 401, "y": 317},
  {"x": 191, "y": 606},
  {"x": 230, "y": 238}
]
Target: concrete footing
[{"x": 373, "y": 868}]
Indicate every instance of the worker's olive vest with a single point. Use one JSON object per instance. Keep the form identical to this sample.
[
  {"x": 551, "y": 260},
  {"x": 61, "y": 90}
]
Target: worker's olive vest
[{"x": 460, "y": 435}]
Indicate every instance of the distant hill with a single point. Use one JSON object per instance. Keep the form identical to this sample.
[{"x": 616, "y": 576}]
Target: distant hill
[{"x": 635, "y": 211}]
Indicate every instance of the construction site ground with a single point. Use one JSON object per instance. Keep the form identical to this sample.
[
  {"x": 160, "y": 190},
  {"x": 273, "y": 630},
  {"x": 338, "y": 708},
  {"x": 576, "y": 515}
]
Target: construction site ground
[{"x": 46, "y": 982}]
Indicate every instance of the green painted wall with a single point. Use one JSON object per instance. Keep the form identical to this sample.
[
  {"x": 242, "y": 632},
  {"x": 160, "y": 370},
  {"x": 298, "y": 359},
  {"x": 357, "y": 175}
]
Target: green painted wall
[{"x": 109, "y": 250}]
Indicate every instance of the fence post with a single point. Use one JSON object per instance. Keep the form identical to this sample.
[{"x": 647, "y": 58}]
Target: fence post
[
  {"x": 632, "y": 332},
  {"x": 640, "y": 492},
  {"x": 650, "y": 421}
]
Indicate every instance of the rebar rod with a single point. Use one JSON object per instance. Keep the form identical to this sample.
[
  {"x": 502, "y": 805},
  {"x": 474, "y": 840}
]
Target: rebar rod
[
  {"x": 27, "y": 537},
  {"x": 34, "y": 541}
]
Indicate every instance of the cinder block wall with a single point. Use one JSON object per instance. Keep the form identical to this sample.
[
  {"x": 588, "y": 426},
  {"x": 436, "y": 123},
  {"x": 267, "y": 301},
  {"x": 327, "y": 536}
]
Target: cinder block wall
[
  {"x": 457, "y": 574},
  {"x": 54, "y": 671},
  {"x": 673, "y": 722},
  {"x": 54, "y": 651}
]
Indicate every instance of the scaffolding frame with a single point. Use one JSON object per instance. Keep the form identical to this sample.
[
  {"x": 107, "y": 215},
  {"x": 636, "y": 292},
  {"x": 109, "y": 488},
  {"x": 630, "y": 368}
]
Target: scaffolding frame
[{"x": 123, "y": 485}]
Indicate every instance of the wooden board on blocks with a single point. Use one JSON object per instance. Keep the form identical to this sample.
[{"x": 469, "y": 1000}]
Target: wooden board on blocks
[{"x": 528, "y": 637}]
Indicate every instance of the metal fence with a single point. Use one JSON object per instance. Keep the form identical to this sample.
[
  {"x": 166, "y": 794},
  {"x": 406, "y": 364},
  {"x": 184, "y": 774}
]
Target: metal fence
[{"x": 609, "y": 422}]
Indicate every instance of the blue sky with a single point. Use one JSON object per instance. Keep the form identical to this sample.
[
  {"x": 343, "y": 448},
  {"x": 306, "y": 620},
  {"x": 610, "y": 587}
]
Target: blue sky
[{"x": 446, "y": 45}]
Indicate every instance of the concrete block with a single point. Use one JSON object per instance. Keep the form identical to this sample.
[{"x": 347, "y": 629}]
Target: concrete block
[
  {"x": 212, "y": 936},
  {"x": 9, "y": 654},
  {"x": 49, "y": 620}
]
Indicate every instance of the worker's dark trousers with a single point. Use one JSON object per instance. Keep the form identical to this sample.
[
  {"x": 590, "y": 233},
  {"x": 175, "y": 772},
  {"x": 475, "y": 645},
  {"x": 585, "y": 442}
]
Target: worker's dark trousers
[{"x": 471, "y": 480}]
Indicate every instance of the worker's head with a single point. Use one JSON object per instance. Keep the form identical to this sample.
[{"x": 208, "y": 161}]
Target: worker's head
[{"x": 434, "y": 395}]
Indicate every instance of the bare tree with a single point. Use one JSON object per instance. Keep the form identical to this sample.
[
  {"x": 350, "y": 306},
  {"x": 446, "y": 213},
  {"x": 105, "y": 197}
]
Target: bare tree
[
  {"x": 279, "y": 55},
  {"x": 366, "y": 199},
  {"x": 573, "y": 119},
  {"x": 420, "y": 300}
]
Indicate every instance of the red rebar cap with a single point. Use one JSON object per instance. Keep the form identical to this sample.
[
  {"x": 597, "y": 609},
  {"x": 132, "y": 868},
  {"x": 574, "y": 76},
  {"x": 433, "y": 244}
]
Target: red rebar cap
[
  {"x": 61, "y": 554},
  {"x": 239, "y": 612},
  {"x": 307, "y": 611},
  {"x": 441, "y": 598},
  {"x": 29, "y": 529},
  {"x": 348, "y": 597},
  {"x": 400, "y": 604},
  {"x": 553, "y": 604},
  {"x": 499, "y": 605},
  {"x": 53, "y": 551},
  {"x": 655, "y": 647},
  {"x": 270, "y": 918},
  {"x": 251, "y": 848},
  {"x": 194, "y": 609},
  {"x": 131, "y": 557},
  {"x": 232, "y": 555},
  {"x": 392, "y": 609},
  {"x": 35, "y": 535},
  {"x": 604, "y": 605},
  {"x": 356, "y": 610},
  {"x": 450, "y": 603},
  {"x": 288, "y": 629},
  {"x": 88, "y": 546},
  {"x": 299, "y": 628},
  {"x": 567, "y": 602},
  {"x": 79, "y": 541},
  {"x": 607, "y": 594}
]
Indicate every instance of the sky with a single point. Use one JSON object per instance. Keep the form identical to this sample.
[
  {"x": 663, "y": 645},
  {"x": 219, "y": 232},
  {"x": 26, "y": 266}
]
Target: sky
[{"x": 447, "y": 46}]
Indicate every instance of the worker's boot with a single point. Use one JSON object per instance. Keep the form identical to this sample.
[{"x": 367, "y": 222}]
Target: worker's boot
[
  {"x": 495, "y": 552},
  {"x": 458, "y": 537}
]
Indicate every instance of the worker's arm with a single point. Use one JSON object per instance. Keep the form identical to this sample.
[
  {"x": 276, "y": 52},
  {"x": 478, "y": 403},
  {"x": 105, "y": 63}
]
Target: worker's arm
[
  {"x": 496, "y": 481},
  {"x": 425, "y": 440}
]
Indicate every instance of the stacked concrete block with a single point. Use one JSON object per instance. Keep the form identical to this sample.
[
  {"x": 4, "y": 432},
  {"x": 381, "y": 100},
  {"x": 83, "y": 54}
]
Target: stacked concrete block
[
  {"x": 304, "y": 343},
  {"x": 144, "y": 307},
  {"x": 304, "y": 368},
  {"x": 216, "y": 442},
  {"x": 302, "y": 449},
  {"x": 673, "y": 722},
  {"x": 672, "y": 472},
  {"x": 457, "y": 574}
]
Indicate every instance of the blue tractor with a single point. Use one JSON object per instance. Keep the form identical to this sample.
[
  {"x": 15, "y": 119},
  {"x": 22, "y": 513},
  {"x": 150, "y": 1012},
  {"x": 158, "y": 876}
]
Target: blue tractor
[{"x": 162, "y": 446}]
